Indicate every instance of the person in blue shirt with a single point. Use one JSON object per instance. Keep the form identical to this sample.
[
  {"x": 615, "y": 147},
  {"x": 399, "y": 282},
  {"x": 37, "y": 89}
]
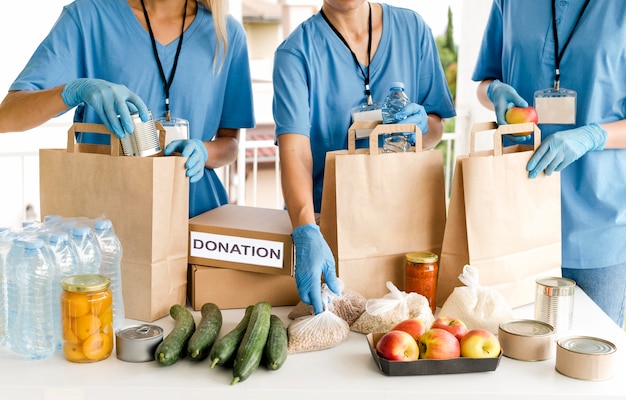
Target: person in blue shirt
[
  {"x": 182, "y": 59},
  {"x": 523, "y": 59},
  {"x": 345, "y": 56}
]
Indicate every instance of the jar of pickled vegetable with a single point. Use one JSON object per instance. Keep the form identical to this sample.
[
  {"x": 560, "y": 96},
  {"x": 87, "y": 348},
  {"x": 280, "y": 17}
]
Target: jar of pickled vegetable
[
  {"x": 87, "y": 318},
  {"x": 420, "y": 275}
]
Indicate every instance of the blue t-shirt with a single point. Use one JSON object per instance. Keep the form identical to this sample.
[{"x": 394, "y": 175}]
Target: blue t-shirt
[
  {"x": 518, "y": 49},
  {"x": 317, "y": 82},
  {"x": 103, "y": 39}
]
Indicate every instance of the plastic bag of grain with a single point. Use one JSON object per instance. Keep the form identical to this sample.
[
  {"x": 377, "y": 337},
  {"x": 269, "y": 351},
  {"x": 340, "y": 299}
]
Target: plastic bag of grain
[{"x": 348, "y": 306}]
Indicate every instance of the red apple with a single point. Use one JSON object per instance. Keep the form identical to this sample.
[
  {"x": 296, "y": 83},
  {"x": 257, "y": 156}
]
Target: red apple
[
  {"x": 439, "y": 344},
  {"x": 397, "y": 346},
  {"x": 453, "y": 325},
  {"x": 480, "y": 343},
  {"x": 413, "y": 326},
  {"x": 521, "y": 115}
]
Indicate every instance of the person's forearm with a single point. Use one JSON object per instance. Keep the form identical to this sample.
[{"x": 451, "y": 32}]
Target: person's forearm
[
  {"x": 297, "y": 179},
  {"x": 481, "y": 94},
  {"x": 616, "y": 134},
  {"x": 23, "y": 110},
  {"x": 435, "y": 132},
  {"x": 224, "y": 149}
]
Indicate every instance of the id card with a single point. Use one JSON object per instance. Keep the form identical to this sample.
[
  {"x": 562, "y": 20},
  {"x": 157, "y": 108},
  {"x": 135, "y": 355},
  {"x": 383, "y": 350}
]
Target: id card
[
  {"x": 556, "y": 106},
  {"x": 175, "y": 129},
  {"x": 367, "y": 112}
]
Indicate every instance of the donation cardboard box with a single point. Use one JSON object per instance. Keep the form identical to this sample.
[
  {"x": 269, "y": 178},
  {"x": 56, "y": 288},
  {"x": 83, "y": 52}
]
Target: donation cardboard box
[
  {"x": 230, "y": 288},
  {"x": 252, "y": 239}
]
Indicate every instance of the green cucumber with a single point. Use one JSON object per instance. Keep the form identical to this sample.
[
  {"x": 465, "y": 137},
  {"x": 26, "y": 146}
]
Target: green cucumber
[
  {"x": 206, "y": 332},
  {"x": 175, "y": 343},
  {"x": 250, "y": 350},
  {"x": 275, "y": 352},
  {"x": 224, "y": 348}
]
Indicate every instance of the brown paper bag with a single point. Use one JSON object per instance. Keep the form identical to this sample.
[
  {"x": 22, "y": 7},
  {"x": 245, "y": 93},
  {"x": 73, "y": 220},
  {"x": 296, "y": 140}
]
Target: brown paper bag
[
  {"x": 146, "y": 198},
  {"x": 501, "y": 222},
  {"x": 376, "y": 207}
]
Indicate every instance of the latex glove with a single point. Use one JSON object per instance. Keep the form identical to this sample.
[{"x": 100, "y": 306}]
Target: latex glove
[
  {"x": 413, "y": 114},
  {"x": 503, "y": 97},
  {"x": 113, "y": 103},
  {"x": 313, "y": 259},
  {"x": 196, "y": 154},
  {"x": 563, "y": 148}
]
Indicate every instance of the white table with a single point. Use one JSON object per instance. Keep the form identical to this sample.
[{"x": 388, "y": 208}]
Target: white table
[{"x": 346, "y": 372}]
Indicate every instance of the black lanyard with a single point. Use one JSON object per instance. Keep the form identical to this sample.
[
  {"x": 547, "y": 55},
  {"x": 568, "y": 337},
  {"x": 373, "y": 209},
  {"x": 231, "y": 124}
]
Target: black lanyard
[
  {"x": 366, "y": 78},
  {"x": 558, "y": 56},
  {"x": 166, "y": 83}
]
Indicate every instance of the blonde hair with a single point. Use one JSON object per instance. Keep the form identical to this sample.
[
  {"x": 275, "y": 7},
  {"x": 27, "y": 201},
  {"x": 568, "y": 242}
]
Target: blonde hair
[{"x": 218, "y": 11}]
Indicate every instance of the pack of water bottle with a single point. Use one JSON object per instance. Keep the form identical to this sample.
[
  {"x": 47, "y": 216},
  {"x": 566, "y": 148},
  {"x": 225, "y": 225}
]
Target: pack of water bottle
[{"x": 34, "y": 260}]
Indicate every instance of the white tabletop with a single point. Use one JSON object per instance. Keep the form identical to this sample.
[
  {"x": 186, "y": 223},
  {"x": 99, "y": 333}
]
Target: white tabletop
[{"x": 346, "y": 372}]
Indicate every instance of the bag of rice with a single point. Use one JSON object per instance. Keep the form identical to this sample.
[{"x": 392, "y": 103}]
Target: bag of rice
[{"x": 349, "y": 306}]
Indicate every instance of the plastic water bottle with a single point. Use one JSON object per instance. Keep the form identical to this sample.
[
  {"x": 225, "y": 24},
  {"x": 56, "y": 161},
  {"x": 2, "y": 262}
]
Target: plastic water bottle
[
  {"x": 111, "y": 265},
  {"x": 395, "y": 101},
  {"x": 14, "y": 257},
  {"x": 33, "y": 333},
  {"x": 6, "y": 242},
  {"x": 67, "y": 264},
  {"x": 86, "y": 245}
]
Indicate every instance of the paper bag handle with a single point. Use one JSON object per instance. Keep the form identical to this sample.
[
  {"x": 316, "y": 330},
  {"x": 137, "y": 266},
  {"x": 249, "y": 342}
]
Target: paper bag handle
[
  {"x": 501, "y": 130},
  {"x": 114, "y": 149},
  {"x": 381, "y": 129}
]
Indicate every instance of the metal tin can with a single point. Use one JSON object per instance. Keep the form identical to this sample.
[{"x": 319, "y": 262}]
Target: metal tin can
[
  {"x": 554, "y": 303},
  {"x": 144, "y": 141},
  {"x": 87, "y": 318},
  {"x": 420, "y": 275},
  {"x": 526, "y": 340},
  {"x": 138, "y": 343},
  {"x": 585, "y": 357}
]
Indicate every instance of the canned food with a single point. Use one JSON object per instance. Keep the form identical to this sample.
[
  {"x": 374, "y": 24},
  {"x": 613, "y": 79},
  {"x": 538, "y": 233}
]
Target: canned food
[
  {"x": 138, "y": 343},
  {"x": 585, "y": 357},
  {"x": 526, "y": 340},
  {"x": 144, "y": 140},
  {"x": 554, "y": 303},
  {"x": 87, "y": 318},
  {"x": 420, "y": 275}
]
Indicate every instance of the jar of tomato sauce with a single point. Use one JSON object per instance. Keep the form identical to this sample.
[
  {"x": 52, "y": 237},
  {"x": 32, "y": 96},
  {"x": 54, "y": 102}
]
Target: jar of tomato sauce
[
  {"x": 420, "y": 275},
  {"x": 87, "y": 317}
]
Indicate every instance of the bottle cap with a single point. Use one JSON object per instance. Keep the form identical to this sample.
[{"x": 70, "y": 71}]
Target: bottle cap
[
  {"x": 397, "y": 85},
  {"x": 102, "y": 224},
  {"x": 85, "y": 283},
  {"x": 80, "y": 230},
  {"x": 32, "y": 244}
]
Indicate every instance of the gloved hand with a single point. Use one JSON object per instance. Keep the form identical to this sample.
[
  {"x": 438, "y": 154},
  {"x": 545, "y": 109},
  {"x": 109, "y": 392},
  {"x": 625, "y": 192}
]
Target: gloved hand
[
  {"x": 197, "y": 155},
  {"x": 413, "y": 114},
  {"x": 503, "y": 97},
  {"x": 563, "y": 148},
  {"x": 313, "y": 259},
  {"x": 113, "y": 103}
]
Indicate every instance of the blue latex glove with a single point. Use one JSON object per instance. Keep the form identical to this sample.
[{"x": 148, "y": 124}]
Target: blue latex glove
[
  {"x": 113, "y": 103},
  {"x": 503, "y": 97},
  {"x": 413, "y": 114},
  {"x": 313, "y": 259},
  {"x": 197, "y": 155},
  {"x": 563, "y": 148}
]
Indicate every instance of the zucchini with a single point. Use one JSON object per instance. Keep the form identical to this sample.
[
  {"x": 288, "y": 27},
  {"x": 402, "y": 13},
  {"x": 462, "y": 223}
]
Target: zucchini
[
  {"x": 275, "y": 352},
  {"x": 250, "y": 350},
  {"x": 174, "y": 344},
  {"x": 206, "y": 332},
  {"x": 224, "y": 348}
]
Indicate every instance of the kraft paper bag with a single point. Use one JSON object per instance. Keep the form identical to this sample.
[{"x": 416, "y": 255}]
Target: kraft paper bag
[
  {"x": 146, "y": 198},
  {"x": 377, "y": 207},
  {"x": 500, "y": 221}
]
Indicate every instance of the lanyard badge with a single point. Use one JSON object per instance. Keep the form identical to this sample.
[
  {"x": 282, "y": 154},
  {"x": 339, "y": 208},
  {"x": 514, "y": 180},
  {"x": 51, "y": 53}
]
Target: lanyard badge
[{"x": 557, "y": 105}]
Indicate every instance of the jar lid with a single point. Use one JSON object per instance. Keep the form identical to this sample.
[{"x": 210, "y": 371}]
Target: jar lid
[
  {"x": 527, "y": 327},
  {"x": 85, "y": 283},
  {"x": 422, "y": 257},
  {"x": 586, "y": 345},
  {"x": 556, "y": 286}
]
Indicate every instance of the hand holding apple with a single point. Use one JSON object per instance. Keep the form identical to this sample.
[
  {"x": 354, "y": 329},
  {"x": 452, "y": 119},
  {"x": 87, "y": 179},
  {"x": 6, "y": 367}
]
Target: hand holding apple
[
  {"x": 439, "y": 344},
  {"x": 521, "y": 115},
  {"x": 453, "y": 325},
  {"x": 413, "y": 326},
  {"x": 397, "y": 346},
  {"x": 480, "y": 343}
]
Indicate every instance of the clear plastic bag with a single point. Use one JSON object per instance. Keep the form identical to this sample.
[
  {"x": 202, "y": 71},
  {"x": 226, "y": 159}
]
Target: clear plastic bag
[
  {"x": 348, "y": 306},
  {"x": 477, "y": 306}
]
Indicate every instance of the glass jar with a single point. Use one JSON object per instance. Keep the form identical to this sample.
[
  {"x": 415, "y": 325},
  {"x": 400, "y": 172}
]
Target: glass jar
[
  {"x": 87, "y": 317},
  {"x": 420, "y": 275}
]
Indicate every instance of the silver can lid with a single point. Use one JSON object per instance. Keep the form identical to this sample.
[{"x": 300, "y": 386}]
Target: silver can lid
[
  {"x": 527, "y": 327},
  {"x": 138, "y": 343},
  {"x": 587, "y": 345},
  {"x": 556, "y": 286}
]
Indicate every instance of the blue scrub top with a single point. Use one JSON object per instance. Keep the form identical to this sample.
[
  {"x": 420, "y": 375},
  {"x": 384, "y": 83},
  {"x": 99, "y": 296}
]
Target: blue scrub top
[
  {"x": 317, "y": 82},
  {"x": 104, "y": 40},
  {"x": 518, "y": 49}
]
